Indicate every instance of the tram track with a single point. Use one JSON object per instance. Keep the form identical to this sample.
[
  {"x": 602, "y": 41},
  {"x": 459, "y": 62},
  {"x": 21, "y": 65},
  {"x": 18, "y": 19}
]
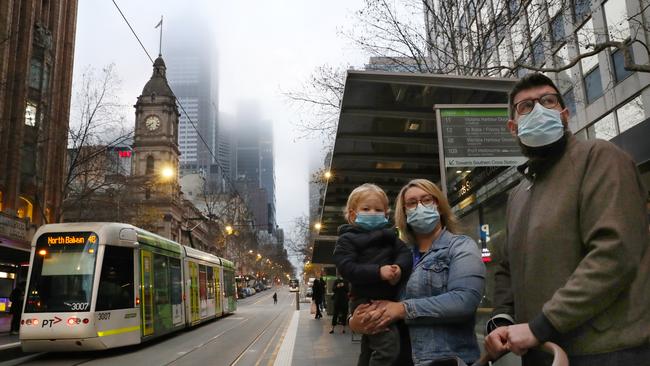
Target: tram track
[
  {"x": 261, "y": 355},
  {"x": 241, "y": 354},
  {"x": 249, "y": 341}
]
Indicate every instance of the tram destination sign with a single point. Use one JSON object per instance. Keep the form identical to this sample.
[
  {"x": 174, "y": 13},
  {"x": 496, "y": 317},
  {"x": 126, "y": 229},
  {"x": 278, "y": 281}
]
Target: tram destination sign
[
  {"x": 474, "y": 137},
  {"x": 70, "y": 238}
]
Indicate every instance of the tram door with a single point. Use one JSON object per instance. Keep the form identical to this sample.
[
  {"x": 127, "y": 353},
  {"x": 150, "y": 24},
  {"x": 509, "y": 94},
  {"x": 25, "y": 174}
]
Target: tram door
[
  {"x": 146, "y": 266},
  {"x": 194, "y": 291}
]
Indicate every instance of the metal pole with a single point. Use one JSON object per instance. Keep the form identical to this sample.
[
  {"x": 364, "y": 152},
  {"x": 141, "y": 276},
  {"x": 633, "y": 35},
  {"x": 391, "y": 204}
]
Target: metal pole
[{"x": 297, "y": 300}]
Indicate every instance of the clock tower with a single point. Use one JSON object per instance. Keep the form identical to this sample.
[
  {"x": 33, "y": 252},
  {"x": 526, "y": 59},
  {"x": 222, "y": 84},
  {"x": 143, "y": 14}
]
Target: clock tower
[{"x": 156, "y": 130}]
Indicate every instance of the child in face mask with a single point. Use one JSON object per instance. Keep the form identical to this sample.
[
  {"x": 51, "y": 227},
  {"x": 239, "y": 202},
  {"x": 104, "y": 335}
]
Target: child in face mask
[{"x": 370, "y": 255}]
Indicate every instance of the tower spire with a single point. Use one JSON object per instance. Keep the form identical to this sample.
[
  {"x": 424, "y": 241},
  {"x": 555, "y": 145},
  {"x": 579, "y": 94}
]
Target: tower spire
[{"x": 160, "y": 44}]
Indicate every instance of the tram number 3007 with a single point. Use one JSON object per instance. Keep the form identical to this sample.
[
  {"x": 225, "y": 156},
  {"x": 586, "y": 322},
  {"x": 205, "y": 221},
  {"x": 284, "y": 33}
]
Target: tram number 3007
[
  {"x": 78, "y": 306},
  {"x": 103, "y": 316}
]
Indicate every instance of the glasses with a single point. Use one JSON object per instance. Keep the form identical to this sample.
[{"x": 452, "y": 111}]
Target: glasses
[
  {"x": 427, "y": 200},
  {"x": 546, "y": 100}
]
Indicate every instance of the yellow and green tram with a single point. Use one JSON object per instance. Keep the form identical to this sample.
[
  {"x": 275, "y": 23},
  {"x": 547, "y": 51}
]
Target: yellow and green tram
[{"x": 95, "y": 286}]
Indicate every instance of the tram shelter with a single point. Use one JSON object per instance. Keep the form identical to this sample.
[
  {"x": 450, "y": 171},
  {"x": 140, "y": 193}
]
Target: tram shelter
[{"x": 387, "y": 134}]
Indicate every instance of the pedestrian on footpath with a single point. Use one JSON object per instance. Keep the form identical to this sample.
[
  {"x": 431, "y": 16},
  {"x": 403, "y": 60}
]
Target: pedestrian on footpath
[
  {"x": 275, "y": 298},
  {"x": 340, "y": 299},
  {"x": 438, "y": 302},
  {"x": 369, "y": 254},
  {"x": 16, "y": 297},
  {"x": 575, "y": 265},
  {"x": 317, "y": 297}
]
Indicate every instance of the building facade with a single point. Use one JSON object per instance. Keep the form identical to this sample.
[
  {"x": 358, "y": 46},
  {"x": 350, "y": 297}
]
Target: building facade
[
  {"x": 512, "y": 38},
  {"x": 36, "y": 59}
]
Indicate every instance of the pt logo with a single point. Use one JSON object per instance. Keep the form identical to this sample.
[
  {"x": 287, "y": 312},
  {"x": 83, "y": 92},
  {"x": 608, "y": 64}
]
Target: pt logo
[{"x": 49, "y": 322}]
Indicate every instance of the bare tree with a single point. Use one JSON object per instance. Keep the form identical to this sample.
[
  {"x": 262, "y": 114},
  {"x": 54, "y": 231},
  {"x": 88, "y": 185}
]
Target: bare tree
[
  {"x": 444, "y": 37},
  {"x": 97, "y": 126},
  {"x": 299, "y": 242},
  {"x": 318, "y": 101}
]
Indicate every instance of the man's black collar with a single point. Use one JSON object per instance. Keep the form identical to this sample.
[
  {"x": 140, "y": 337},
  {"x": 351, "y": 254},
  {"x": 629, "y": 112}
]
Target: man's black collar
[{"x": 542, "y": 158}]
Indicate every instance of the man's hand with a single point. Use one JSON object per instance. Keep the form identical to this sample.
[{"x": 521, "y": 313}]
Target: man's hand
[
  {"x": 521, "y": 338},
  {"x": 397, "y": 274},
  {"x": 387, "y": 273},
  {"x": 496, "y": 343}
]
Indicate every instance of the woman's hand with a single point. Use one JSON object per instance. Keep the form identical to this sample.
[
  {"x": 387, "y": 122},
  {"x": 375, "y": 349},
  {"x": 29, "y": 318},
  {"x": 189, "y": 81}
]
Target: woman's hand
[
  {"x": 393, "y": 311},
  {"x": 365, "y": 318}
]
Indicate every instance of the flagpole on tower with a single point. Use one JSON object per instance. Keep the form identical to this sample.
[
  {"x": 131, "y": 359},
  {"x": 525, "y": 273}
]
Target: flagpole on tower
[{"x": 160, "y": 44}]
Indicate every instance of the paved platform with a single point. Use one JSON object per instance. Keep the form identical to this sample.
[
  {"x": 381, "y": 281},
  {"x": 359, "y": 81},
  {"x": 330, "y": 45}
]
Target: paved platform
[
  {"x": 6, "y": 340},
  {"x": 315, "y": 346}
]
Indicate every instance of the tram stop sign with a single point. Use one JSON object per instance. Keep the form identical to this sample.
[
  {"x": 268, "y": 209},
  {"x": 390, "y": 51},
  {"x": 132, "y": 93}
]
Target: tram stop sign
[{"x": 477, "y": 136}]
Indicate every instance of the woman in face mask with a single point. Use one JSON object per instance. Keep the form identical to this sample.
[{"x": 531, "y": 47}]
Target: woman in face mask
[{"x": 439, "y": 300}]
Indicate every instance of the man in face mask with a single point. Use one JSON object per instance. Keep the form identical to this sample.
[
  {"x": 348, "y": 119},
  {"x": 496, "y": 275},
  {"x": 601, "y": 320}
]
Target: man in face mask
[{"x": 575, "y": 264}]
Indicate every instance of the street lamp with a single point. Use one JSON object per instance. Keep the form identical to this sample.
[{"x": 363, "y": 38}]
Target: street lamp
[
  {"x": 229, "y": 230},
  {"x": 167, "y": 172},
  {"x": 327, "y": 175},
  {"x": 318, "y": 226}
]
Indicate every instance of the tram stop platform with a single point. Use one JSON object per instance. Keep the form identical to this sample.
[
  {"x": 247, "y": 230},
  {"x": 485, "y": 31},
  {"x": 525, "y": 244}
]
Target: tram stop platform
[
  {"x": 314, "y": 344},
  {"x": 7, "y": 340}
]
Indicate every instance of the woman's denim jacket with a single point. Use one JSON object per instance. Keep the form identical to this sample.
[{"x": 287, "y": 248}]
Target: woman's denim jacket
[{"x": 441, "y": 298}]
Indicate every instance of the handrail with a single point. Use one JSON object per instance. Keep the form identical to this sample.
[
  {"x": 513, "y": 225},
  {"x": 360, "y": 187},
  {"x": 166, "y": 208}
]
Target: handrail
[{"x": 560, "y": 357}]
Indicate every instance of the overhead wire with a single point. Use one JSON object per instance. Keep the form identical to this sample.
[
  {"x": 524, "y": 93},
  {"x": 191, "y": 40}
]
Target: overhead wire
[{"x": 216, "y": 160}]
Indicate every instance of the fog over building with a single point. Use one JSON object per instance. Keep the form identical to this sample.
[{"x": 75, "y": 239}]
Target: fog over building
[
  {"x": 254, "y": 169},
  {"x": 191, "y": 56}
]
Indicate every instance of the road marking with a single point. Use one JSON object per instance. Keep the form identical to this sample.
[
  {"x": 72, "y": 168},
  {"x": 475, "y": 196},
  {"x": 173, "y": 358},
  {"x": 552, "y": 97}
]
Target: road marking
[{"x": 285, "y": 355}]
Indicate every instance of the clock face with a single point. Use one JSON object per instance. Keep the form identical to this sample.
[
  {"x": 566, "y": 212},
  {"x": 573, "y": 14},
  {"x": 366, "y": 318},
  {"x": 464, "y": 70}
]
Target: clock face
[{"x": 152, "y": 123}]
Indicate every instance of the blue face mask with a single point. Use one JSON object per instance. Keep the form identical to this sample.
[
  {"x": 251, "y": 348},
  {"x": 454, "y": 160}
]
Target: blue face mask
[
  {"x": 371, "y": 221},
  {"x": 540, "y": 127},
  {"x": 423, "y": 219}
]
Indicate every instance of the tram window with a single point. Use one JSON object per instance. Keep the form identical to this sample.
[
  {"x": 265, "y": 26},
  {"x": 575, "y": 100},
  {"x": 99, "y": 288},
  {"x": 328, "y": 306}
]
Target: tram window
[
  {"x": 116, "y": 281},
  {"x": 210, "y": 283},
  {"x": 161, "y": 280},
  {"x": 202, "y": 282},
  {"x": 61, "y": 276},
  {"x": 177, "y": 281},
  {"x": 162, "y": 294}
]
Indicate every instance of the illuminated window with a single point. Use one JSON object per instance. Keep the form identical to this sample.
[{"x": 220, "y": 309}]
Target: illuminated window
[
  {"x": 1, "y": 201},
  {"x": 30, "y": 114},
  {"x": 25, "y": 208}
]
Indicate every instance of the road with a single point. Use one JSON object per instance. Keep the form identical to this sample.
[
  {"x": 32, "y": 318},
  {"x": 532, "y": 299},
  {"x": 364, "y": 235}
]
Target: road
[{"x": 250, "y": 337}]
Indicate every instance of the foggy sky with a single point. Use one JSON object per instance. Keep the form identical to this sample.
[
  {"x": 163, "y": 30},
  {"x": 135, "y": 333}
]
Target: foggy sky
[{"x": 264, "y": 47}]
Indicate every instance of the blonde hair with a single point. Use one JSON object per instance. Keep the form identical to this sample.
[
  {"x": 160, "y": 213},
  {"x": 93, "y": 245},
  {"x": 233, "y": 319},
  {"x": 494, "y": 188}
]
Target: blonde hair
[
  {"x": 361, "y": 192},
  {"x": 447, "y": 217}
]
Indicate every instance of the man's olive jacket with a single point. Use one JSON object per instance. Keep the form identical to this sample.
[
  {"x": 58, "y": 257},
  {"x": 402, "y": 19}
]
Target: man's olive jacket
[{"x": 575, "y": 265}]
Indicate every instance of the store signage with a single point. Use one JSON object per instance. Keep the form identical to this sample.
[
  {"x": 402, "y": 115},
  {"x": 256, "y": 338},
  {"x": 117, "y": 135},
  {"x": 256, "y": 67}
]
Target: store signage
[
  {"x": 13, "y": 227},
  {"x": 474, "y": 137}
]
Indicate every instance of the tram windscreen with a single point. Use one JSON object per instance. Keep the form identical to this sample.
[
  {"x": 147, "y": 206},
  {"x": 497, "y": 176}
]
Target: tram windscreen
[{"x": 62, "y": 273}]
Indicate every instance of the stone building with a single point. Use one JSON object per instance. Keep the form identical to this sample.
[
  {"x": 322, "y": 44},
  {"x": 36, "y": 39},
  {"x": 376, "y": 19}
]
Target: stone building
[{"x": 36, "y": 59}]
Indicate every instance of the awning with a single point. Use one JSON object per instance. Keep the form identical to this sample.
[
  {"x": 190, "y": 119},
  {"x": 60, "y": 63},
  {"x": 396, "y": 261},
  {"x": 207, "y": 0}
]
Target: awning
[{"x": 387, "y": 135}]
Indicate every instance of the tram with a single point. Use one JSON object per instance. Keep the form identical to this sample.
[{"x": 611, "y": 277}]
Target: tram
[{"x": 93, "y": 286}]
